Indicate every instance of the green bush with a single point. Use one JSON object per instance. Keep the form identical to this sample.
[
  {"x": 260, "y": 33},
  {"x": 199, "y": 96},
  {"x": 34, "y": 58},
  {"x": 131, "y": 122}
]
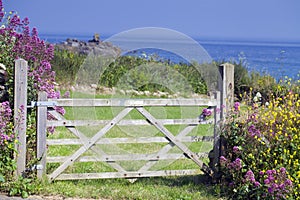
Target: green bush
[
  {"x": 66, "y": 65},
  {"x": 261, "y": 160}
]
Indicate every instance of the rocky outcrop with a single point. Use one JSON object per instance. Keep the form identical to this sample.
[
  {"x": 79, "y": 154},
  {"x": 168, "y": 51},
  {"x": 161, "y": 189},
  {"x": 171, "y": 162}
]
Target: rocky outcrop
[{"x": 95, "y": 45}]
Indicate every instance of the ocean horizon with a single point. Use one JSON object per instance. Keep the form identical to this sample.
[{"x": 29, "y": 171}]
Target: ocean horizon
[{"x": 276, "y": 58}]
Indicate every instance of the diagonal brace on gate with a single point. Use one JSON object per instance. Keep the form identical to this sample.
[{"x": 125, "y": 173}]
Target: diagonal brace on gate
[
  {"x": 174, "y": 140},
  {"x": 90, "y": 143},
  {"x": 84, "y": 140}
]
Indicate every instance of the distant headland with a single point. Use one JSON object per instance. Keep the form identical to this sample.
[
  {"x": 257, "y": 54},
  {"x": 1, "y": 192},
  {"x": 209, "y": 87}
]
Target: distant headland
[{"x": 94, "y": 45}]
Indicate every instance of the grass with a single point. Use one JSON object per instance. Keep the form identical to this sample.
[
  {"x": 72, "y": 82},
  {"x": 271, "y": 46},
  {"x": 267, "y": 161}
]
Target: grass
[
  {"x": 143, "y": 188},
  {"x": 170, "y": 188}
]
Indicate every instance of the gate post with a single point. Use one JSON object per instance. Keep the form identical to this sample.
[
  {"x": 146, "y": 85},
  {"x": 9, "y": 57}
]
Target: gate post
[
  {"x": 225, "y": 98},
  {"x": 226, "y": 87},
  {"x": 20, "y": 112},
  {"x": 41, "y": 135}
]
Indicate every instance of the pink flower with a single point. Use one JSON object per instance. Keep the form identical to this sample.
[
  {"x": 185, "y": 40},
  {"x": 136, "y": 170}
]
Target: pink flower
[
  {"x": 235, "y": 149},
  {"x": 236, "y": 106}
]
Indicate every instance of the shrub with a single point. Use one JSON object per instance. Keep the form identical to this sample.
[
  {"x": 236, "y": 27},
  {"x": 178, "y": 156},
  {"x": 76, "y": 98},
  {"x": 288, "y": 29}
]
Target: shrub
[
  {"x": 139, "y": 71},
  {"x": 7, "y": 143},
  {"x": 17, "y": 41},
  {"x": 262, "y": 148},
  {"x": 66, "y": 65}
]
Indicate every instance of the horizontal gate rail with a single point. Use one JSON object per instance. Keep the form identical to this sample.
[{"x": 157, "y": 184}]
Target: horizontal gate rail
[
  {"x": 126, "y": 122},
  {"x": 140, "y": 140},
  {"x": 135, "y": 102},
  {"x": 106, "y": 175},
  {"x": 124, "y": 157}
]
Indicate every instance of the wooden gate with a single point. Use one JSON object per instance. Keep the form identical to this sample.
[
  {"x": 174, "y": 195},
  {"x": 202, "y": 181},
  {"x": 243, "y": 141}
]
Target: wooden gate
[
  {"x": 94, "y": 143},
  {"x": 170, "y": 139}
]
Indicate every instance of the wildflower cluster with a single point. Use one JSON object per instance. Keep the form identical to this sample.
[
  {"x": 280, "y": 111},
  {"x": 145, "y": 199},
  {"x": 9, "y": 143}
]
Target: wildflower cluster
[
  {"x": 7, "y": 142},
  {"x": 18, "y": 40},
  {"x": 5, "y": 118},
  {"x": 277, "y": 182},
  {"x": 261, "y": 159}
]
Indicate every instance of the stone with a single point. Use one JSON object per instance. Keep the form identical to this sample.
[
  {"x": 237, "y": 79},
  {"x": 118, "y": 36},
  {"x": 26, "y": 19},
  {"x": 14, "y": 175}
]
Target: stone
[{"x": 94, "y": 86}]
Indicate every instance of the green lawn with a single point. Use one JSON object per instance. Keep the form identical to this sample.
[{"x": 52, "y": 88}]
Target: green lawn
[{"x": 145, "y": 188}]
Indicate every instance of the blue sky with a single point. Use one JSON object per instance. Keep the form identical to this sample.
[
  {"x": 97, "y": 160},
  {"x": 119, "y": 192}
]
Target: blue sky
[{"x": 213, "y": 19}]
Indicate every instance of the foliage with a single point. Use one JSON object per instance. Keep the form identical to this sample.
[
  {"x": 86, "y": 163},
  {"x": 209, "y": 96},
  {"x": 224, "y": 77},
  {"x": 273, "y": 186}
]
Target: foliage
[
  {"x": 144, "y": 74},
  {"x": 17, "y": 41},
  {"x": 123, "y": 71},
  {"x": 262, "y": 147},
  {"x": 66, "y": 64},
  {"x": 7, "y": 143}
]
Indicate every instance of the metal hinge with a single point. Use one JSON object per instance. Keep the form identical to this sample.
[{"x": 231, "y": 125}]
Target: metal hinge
[
  {"x": 37, "y": 167},
  {"x": 42, "y": 104}
]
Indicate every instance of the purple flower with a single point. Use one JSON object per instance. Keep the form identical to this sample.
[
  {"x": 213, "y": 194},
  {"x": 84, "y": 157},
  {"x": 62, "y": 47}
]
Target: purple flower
[
  {"x": 282, "y": 170},
  {"x": 206, "y": 112},
  {"x": 237, "y": 106},
  {"x": 267, "y": 181},
  {"x": 235, "y": 149},
  {"x": 223, "y": 160},
  {"x": 270, "y": 190},
  {"x": 269, "y": 172},
  {"x": 261, "y": 173},
  {"x": 288, "y": 182},
  {"x": 256, "y": 184},
  {"x": 250, "y": 176},
  {"x": 67, "y": 94},
  {"x": 236, "y": 164}
]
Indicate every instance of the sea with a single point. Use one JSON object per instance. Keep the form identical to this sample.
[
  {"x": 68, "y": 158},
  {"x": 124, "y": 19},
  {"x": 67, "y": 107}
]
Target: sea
[{"x": 275, "y": 58}]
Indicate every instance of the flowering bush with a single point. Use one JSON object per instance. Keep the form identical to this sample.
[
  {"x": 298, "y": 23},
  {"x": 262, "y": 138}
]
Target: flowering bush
[
  {"x": 7, "y": 143},
  {"x": 261, "y": 159},
  {"x": 18, "y": 41}
]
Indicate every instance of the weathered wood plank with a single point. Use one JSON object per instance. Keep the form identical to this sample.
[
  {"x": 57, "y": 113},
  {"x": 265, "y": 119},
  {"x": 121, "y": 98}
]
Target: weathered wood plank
[
  {"x": 172, "y": 138},
  {"x": 124, "y": 157},
  {"x": 84, "y": 140},
  {"x": 130, "y": 122},
  {"x": 20, "y": 112},
  {"x": 90, "y": 143},
  {"x": 167, "y": 148},
  {"x": 135, "y": 102},
  {"x": 41, "y": 135},
  {"x": 140, "y": 140},
  {"x": 106, "y": 175}
]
